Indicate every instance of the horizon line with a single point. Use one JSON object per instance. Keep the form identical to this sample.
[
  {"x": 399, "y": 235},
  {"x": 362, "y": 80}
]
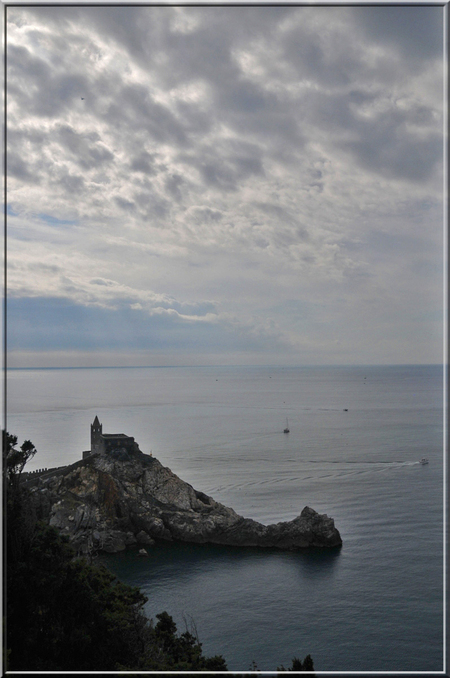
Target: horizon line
[{"x": 271, "y": 366}]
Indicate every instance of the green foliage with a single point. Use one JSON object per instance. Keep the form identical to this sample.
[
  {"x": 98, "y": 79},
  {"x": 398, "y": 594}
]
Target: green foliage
[
  {"x": 308, "y": 664},
  {"x": 298, "y": 665},
  {"x": 15, "y": 459},
  {"x": 19, "y": 511},
  {"x": 64, "y": 614},
  {"x": 172, "y": 652}
]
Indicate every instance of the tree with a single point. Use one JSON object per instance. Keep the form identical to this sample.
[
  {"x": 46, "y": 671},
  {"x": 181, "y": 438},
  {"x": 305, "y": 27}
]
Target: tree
[
  {"x": 298, "y": 665},
  {"x": 308, "y": 664},
  {"x": 173, "y": 652},
  {"x": 19, "y": 516},
  {"x": 15, "y": 459},
  {"x": 66, "y": 615}
]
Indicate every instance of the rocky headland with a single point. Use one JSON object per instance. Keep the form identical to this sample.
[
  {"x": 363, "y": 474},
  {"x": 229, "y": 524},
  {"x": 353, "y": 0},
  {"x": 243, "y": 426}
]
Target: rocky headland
[{"x": 105, "y": 503}]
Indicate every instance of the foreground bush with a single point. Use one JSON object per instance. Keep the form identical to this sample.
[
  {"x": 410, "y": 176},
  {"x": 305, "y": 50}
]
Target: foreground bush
[{"x": 66, "y": 615}]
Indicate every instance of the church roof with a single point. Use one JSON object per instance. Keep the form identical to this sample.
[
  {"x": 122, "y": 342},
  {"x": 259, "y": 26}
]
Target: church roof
[{"x": 96, "y": 421}]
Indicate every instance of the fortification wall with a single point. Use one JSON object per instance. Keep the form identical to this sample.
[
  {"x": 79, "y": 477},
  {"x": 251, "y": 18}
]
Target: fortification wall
[{"x": 33, "y": 478}]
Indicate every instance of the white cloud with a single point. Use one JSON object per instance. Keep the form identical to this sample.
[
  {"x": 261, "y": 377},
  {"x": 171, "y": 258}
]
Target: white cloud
[{"x": 209, "y": 164}]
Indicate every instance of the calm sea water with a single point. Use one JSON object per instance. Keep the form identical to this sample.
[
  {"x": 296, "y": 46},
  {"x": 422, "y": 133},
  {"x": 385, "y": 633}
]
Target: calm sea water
[{"x": 375, "y": 604}]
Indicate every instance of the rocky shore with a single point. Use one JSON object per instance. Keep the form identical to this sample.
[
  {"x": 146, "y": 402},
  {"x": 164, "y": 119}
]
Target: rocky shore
[{"x": 108, "y": 504}]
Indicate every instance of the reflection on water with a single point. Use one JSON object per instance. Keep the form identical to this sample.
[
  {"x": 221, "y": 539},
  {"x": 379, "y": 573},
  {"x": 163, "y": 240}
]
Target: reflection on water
[
  {"x": 187, "y": 560},
  {"x": 219, "y": 586}
]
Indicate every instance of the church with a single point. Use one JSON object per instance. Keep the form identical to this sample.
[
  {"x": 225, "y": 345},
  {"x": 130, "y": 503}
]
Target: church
[{"x": 109, "y": 443}]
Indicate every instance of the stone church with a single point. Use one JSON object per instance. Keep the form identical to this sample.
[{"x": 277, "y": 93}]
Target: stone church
[{"x": 109, "y": 443}]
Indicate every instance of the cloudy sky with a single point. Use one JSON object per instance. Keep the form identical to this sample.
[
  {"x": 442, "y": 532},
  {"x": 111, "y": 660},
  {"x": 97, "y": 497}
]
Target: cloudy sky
[{"x": 224, "y": 185}]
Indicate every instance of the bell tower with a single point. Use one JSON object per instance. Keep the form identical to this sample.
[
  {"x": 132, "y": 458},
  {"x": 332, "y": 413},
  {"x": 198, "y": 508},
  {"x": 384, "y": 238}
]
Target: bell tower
[{"x": 96, "y": 436}]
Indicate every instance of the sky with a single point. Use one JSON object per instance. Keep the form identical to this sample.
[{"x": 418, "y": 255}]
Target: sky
[{"x": 224, "y": 185}]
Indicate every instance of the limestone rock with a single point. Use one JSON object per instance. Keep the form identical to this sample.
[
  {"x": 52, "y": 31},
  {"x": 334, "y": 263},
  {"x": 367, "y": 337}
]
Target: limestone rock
[
  {"x": 109, "y": 504},
  {"x": 144, "y": 538}
]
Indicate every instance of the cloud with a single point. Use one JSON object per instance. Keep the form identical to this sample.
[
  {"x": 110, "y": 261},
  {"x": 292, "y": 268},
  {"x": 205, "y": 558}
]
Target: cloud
[
  {"x": 19, "y": 169},
  {"x": 413, "y": 31},
  {"x": 144, "y": 163},
  {"x": 200, "y": 167},
  {"x": 44, "y": 91},
  {"x": 55, "y": 324},
  {"x": 85, "y": 149},
  {"x": 397, "y": 155},
  {"x": 386, "y": 138}
]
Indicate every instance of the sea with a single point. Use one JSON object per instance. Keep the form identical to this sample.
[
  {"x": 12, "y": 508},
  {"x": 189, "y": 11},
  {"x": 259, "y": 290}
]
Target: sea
[{"x": 353, "y": 450}]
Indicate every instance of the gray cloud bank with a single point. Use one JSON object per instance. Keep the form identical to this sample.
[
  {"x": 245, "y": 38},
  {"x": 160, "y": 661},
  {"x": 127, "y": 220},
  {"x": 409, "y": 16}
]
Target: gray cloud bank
[{"x": 228, "y": 181}]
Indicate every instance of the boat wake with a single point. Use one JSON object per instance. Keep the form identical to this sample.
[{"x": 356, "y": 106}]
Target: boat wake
[{"x": 300, "y": 474}]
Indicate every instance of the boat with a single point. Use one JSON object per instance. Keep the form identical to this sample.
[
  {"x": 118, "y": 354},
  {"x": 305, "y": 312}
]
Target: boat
[
  {"x": 286, "y": 430},
  {"x": 424, "y": 460}
]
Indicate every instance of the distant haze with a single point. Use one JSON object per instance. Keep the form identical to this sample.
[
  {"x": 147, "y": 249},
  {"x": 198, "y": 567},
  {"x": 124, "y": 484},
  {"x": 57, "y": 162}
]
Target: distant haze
[{"x": 225, "y": 185}]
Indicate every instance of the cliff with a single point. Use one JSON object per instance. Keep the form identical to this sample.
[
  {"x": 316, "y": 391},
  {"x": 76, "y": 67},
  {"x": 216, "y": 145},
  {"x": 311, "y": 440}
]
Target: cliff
[{"x": 110, "y": 504}]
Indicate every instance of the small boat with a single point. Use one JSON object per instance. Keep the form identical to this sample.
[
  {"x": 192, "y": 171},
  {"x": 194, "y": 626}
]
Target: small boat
[
  {"x": 286, "y": 430},
  {"x": 424, "y": 460}
]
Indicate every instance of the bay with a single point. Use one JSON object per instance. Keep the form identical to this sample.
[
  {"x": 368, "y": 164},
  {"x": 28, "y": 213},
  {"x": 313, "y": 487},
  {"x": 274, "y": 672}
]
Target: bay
[{"x": 374, "y": 604}]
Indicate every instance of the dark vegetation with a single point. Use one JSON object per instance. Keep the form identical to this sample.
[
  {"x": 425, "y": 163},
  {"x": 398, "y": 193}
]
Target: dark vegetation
[{"x": 65, "y": 614}]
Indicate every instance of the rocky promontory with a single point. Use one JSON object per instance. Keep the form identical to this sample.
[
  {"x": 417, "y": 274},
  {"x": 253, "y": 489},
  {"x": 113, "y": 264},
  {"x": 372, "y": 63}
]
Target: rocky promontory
[{"x": 108, "y": 504}]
